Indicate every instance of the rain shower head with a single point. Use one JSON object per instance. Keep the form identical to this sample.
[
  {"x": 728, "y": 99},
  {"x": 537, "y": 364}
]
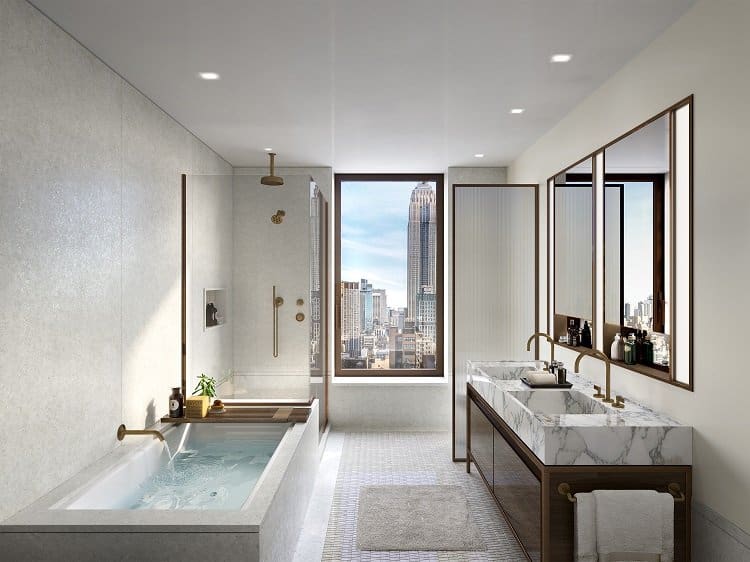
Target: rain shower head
[{"x": 272, "y": 179}]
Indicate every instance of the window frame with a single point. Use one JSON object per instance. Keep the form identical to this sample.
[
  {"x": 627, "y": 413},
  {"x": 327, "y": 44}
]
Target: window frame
[{"x": 438, "y": 371}]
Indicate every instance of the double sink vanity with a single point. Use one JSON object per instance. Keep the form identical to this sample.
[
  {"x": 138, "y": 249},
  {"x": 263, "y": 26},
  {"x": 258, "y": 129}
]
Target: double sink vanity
[{"x": 536, "y": 447}]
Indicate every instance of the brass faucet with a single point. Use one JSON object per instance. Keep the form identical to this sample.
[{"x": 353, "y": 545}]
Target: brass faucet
[
  {"x": 122, "y": 431},
  {"x": 548, "y": 338},
  {"x": 600, "y": 355}
]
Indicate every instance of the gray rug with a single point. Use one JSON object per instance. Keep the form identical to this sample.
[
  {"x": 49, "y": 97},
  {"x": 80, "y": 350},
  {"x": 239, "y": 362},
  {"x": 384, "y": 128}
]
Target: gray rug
[{"x": 432, "y": 518}]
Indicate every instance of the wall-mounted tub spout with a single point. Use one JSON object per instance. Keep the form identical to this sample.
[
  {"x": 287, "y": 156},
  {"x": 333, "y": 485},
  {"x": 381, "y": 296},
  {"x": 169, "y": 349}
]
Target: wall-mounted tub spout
[{"x": 122, "y": 431}]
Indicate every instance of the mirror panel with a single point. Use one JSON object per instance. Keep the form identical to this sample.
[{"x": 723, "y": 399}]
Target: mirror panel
[
  {"x": 637, "y": 172},
  {"x": 573, "y": 244}
]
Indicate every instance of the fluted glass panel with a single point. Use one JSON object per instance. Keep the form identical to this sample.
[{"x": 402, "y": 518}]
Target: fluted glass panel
[
  {"x": 573, "y": 243},
  {"x": 494, "y": 281}
]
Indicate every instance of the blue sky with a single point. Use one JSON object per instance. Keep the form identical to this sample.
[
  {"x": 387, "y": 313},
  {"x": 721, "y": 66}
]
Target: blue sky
[{"x": 374, "y": 219}]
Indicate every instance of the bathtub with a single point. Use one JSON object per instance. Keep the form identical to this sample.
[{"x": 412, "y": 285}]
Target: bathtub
[{"x": 121, "y": 509}]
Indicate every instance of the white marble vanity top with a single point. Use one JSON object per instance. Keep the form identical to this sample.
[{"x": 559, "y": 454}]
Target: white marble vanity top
[{"x": 596, "y": 434}]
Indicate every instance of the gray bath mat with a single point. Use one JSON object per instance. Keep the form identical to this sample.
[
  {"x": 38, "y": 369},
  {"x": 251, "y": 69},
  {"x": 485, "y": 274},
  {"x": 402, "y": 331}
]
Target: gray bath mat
[{"x": 415, "y": 518}]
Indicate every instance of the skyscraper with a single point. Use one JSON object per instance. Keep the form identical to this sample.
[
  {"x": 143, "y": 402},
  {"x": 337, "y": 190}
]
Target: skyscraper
[
  {"x": 379, "y": 306},
  {"x": 350, "y": 324},
  {"x": 422, "y": 245},
  {"x": 365, "y": 306}
]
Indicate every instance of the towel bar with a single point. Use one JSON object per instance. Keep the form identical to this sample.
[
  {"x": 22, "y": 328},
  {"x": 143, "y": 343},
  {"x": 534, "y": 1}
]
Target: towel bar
[{"x": 673, "y": 488}]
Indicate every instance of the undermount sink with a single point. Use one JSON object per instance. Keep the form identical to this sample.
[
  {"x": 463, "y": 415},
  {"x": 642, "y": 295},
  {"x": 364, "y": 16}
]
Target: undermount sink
[{"x": 557, "y": 402}]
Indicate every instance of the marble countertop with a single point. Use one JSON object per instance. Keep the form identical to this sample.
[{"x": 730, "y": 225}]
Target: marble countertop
[{"x": 597, "y": 434}]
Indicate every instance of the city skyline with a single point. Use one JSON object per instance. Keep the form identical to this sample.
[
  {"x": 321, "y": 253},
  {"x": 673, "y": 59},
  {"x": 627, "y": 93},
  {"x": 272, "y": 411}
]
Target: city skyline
[
  {"x": 376, "y": 207},
  {"x": 388, "y": 275}
]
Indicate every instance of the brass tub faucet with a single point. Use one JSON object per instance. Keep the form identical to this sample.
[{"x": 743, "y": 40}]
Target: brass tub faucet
[{"x": 122, "y": 431}]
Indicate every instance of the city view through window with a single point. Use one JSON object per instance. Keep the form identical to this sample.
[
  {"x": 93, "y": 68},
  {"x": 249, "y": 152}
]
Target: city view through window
[{"x": 388, "y": 275}]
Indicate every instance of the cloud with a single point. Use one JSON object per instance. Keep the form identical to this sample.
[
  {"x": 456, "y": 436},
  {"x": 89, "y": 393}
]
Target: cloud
[{"x": 374, "y": 221}]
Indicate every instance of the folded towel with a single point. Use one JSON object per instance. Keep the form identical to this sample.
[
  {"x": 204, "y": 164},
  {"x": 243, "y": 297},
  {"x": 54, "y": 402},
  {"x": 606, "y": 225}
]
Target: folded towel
[
  {"x": 585, "y": 528},
  {"x": 540, "y": 377},
  {"x": 632, "y": 525}
]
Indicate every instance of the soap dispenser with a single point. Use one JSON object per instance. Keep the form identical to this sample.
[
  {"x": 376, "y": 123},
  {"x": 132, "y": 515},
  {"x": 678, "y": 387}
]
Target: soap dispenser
[
  {"x": 648, "y": 349},
  {"x": 629, "y": 350},
  {"x": 586, "y": 335}
]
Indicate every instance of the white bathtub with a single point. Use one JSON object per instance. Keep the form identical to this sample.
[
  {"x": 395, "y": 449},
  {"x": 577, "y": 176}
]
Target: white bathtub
[{"x": 88, "y": 517}]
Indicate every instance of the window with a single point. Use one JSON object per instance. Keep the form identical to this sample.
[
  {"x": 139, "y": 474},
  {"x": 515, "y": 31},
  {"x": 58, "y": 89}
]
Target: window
[{"x": 389, "y": 268}]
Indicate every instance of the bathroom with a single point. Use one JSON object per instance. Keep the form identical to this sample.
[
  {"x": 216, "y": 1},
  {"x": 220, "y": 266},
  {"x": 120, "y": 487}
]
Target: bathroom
[{"x": 141, "y": 248}]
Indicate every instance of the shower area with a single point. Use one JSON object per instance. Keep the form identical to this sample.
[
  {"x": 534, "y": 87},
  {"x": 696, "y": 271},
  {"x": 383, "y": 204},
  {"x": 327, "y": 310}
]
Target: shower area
[{"x": 254, "y": 287}]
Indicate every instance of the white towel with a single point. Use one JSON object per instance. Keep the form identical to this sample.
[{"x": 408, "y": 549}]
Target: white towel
[
  {"x": 540, "y": 377},
  {"x": 624, "y": 525},
  {"x": 585, "y": 528}
]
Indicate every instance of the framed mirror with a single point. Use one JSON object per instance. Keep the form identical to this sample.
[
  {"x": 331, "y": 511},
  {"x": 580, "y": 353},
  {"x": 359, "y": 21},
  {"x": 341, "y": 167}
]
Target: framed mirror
[
  {"x": 647, "y": 233},
  {"x": 636, "y": 243},
  {"x": 634, "y": 196},
  {"x": 573, "y": 196}
]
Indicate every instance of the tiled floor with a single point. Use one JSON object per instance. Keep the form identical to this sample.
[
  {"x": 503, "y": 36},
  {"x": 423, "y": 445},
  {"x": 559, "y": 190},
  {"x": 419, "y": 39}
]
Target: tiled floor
[{"x": 395, "y": 458}]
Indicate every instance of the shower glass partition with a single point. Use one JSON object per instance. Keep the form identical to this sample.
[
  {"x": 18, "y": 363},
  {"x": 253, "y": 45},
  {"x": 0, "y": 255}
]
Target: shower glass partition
[{"x": 254, "y": 291}]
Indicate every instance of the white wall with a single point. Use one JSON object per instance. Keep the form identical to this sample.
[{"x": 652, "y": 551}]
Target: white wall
[
  {"x": 705, "y": 53},
  {"x": 89, "y": 254}
]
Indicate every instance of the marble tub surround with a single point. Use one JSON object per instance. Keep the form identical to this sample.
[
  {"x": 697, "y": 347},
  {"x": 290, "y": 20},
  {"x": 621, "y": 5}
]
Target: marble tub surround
[
  {"x": 568, "y": 427},
  {"x": 265, "y": 528}
]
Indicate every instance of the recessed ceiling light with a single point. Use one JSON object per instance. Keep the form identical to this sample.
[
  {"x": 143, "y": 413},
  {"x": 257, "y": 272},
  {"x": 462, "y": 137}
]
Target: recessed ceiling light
[
  {"x": 209, "y": 75},
  {"x": 517, "y": 110},
  {"x": 560, "y": 57},
  {"x": 479, "y": 156},
  {"x": 268, "y": 149}
]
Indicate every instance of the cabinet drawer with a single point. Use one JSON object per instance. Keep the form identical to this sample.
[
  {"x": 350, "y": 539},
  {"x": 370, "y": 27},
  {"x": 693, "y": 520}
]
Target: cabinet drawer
[
  {"x": 481, "y": 441},
  {"x": 519, "y": 492}
]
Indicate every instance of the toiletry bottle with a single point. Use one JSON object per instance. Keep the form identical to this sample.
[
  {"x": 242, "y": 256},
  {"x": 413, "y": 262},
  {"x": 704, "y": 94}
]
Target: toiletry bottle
[
  {"x": 648, "y": 350},
  {"x": 176, "y": 403},
  {"x": 629, "y": 350},
  {"x": 639, "y": 346},
  {"x": 573, "y": 337},
  {"x": 615, "y": 352},
  {"x": 562, "y": 375},
  {"x": 586, "y": 335}
]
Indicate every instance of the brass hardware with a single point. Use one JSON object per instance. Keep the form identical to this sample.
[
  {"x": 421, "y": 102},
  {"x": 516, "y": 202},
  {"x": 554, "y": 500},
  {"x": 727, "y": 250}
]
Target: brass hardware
[
  {"x": 600, "y": 355},
  {"x": 276, "y": 303},
  {"x": 122, "y": 431},
  {"x": 548, "y": 338},
  {"x": 299, "y": 317},
  {"x": 564, "y": 490},
  {"x": 619, "y": 402},
  {"x": 598, "y": 393},
  {"x": 272, "y": 179},
  {"x": 673, "y": 488},
  {"x": 677, "y": 494},
  {"x": 300, "y": 302},
  {"x": 278, "y": 218}
]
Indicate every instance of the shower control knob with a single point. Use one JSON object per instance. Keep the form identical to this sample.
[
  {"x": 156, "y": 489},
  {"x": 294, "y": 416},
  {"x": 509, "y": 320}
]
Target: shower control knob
[{"x": 299, "y": 317}]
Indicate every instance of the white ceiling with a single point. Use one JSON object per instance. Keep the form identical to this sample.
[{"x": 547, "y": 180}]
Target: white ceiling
[{"x": 378, "y": 85}]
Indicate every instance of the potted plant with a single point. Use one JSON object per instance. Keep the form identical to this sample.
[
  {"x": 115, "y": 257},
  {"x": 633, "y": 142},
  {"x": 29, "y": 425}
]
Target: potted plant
[
  {"x": 197, "y": 406},
  {"x": 206, "y": 386}
]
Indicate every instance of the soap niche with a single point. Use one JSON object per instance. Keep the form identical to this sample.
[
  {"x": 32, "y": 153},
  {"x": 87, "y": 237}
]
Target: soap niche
[{"x": 214, "y": 308}]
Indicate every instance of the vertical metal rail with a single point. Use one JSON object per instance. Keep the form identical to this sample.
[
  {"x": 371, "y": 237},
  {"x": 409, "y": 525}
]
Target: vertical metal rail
[{"x": 277, "y": 302}]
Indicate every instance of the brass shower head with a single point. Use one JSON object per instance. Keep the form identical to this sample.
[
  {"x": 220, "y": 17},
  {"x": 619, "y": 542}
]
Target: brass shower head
[{"x": 271, "y": 179}]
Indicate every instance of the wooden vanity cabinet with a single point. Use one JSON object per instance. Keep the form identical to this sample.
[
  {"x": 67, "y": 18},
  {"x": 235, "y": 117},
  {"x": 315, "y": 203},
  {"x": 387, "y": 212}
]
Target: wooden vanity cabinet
[
  {"x": 482, "y": 443},
  {"x": 526, "y": 489}
]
